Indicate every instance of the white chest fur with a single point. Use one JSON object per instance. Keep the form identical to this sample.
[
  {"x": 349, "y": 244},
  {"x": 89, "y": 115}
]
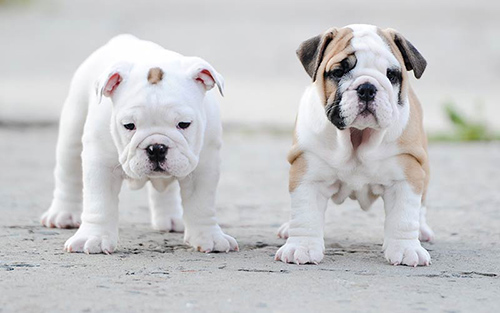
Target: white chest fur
[{"x": 359, "y": 164}]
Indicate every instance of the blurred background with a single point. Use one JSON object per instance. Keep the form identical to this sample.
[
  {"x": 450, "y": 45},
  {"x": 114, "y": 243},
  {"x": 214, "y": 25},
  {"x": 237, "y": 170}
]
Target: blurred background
[{"x": 252, "y": 43}]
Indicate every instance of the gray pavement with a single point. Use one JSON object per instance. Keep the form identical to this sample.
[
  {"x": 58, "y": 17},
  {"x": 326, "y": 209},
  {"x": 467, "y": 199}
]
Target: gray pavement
[{"x": 154, "y": 272}]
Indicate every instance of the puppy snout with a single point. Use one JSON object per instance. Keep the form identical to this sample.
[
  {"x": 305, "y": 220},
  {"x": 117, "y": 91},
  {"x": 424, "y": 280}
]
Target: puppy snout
[
  {"x": 366, "y": 92},
  {"x": 157, "y": 152}
]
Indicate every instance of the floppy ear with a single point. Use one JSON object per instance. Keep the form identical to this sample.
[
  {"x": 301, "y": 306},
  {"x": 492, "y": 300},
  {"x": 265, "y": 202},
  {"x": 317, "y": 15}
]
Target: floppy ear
[
  {"x": 204, "y": 73},
  {"x": 311, "y": 51},
  {"x": 411, "y": 56},
  {"x": 110, "y": 79}
]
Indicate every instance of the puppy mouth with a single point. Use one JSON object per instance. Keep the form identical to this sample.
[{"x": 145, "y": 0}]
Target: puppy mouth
[
  {"x": 365, "y": 115},
  {"x": 359, "y": 136},
  {"x": 366, "y": 110},
  {"x": 158, "y": 167}
]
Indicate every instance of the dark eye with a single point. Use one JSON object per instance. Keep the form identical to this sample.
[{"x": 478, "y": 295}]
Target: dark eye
[
  {"x": 129, "y": 126},
  {"x": 183, "y": 125},
  {"x": 394, "y": 76},
  {"x": 336, "y": 73}
]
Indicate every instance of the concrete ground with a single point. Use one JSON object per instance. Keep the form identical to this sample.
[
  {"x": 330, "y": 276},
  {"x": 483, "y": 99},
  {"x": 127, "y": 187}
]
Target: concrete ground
[{"x": 154, "y": 272}]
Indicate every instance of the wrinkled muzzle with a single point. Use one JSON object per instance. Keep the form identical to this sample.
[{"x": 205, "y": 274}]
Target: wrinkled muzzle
[
  {"x": 157, "y": 156},
  {"x": 364, "y": 104}
]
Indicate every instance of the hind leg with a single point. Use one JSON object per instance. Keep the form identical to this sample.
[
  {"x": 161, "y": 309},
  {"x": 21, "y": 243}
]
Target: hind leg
[
  {"x": 166, "y": 208},
  {"x": 66, "y": 207},
  {"x": 426, "y": 233}
]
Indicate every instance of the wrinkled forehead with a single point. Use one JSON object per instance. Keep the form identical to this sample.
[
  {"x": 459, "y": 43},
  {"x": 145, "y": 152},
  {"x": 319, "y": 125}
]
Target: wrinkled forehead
[
  {"x": 157, "y": 112},
  {"x": 159, "y": 86},
  {"x": 370, "y": 48},
  {"x": 168, "y": 99}
]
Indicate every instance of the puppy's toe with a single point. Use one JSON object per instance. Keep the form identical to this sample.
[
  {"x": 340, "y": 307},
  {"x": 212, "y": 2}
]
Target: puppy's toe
[
  {"x": 91, "y": 240},
  {"x": 301, "y": 250},
  {"x": 406, "y": 252},
  {"x": 283, "y": 230},
  {"x": 168, "y": 224},
  {"x": 93, "y": 245},
  {"x": 61, "y": 219},
  {"x": 426, "y": 233},
  {"x": 211, "y": 239}
]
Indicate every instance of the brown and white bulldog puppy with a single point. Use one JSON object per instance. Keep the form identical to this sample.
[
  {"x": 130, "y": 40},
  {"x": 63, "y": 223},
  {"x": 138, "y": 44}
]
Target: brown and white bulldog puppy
[{"x": 359, "y": 134}]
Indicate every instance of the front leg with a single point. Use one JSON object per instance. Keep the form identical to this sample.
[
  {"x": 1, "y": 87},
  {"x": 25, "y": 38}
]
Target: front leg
[
  {"x": 198, "y": 200},
  {"x": 101, "y": 186},
  {"x": 305, "y": 243},
  {"x": 402, "y": 209}
]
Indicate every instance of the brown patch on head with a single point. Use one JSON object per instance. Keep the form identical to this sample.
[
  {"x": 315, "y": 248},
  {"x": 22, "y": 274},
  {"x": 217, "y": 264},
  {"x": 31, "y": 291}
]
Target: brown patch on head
[
  {"x": 324, "y": 53},
  {"x": 406, "y": 53},
  {"x": 313, "y": 52},
  {"x": 155, "y": 75},
  {"x": 387, "y": 37},
  {"x": 408, "y": 57},
  {"x": 345, "y": 60}
]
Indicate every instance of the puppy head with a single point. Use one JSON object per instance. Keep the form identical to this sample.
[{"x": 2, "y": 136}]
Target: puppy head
[
  {"x": 360, "y": 71},
  {"x": 158, "y": 118}
]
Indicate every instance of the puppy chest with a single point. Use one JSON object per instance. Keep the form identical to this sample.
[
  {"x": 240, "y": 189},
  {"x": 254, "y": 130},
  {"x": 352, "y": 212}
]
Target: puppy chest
[
  {"x": 364, "y": 182},
  {"x": 356, "y": 176}
]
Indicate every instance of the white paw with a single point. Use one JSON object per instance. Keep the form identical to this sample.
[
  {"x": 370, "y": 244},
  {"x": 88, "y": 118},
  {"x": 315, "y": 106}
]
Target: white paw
[
  {"x": 168, "y": 224},
  {"x": 283, "y": 230},
  {"x": 61, "y": 219},
  {"x": 301, "y": 250},
  {"x": 406, "y": 252},
  {"x": 210, "y": 239},
  {"x": 426, "y": 233},
  {"x": 92, "y": 239}
]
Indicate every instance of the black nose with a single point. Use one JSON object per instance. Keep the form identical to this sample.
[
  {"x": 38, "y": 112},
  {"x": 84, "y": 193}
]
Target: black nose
[
  {"x": 366, "y": 92},
  {"x": 156, "y": 152}
]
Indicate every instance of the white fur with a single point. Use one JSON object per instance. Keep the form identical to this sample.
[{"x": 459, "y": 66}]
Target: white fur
[
  {"x": 92, "y": 126},
  {"x": 374, "y": 57},
  {"x": 336, "y": 169}
]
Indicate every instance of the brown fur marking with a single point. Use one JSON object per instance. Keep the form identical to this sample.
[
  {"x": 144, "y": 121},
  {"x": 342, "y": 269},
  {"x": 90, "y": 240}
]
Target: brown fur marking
[
  {"x": 413, "y": 141},
  {"x": 297, "y": 170},
  {"x": 155, "y": 75},
  {"x": 337, "y": 50},
  {"x": 298, "y": 164}
]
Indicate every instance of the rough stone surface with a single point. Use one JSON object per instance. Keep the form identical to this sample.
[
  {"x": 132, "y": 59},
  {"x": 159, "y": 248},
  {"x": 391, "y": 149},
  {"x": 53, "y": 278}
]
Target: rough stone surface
[{"x": 155, "y": 272}]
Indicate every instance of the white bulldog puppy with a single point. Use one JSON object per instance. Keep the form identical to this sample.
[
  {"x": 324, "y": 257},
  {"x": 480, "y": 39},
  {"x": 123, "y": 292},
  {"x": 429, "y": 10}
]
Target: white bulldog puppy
[
  {"x": 139, "y": 113},
  {"x": 359, "y": 134}
]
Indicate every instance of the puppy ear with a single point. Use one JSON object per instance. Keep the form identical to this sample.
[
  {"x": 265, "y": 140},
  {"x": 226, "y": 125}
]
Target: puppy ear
[
  {"x": 110, "y": 79},
  {"x": 311, "y": 51},
  {"x": 202, "y": 72},
  {"x": 411, "y": 56}
]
